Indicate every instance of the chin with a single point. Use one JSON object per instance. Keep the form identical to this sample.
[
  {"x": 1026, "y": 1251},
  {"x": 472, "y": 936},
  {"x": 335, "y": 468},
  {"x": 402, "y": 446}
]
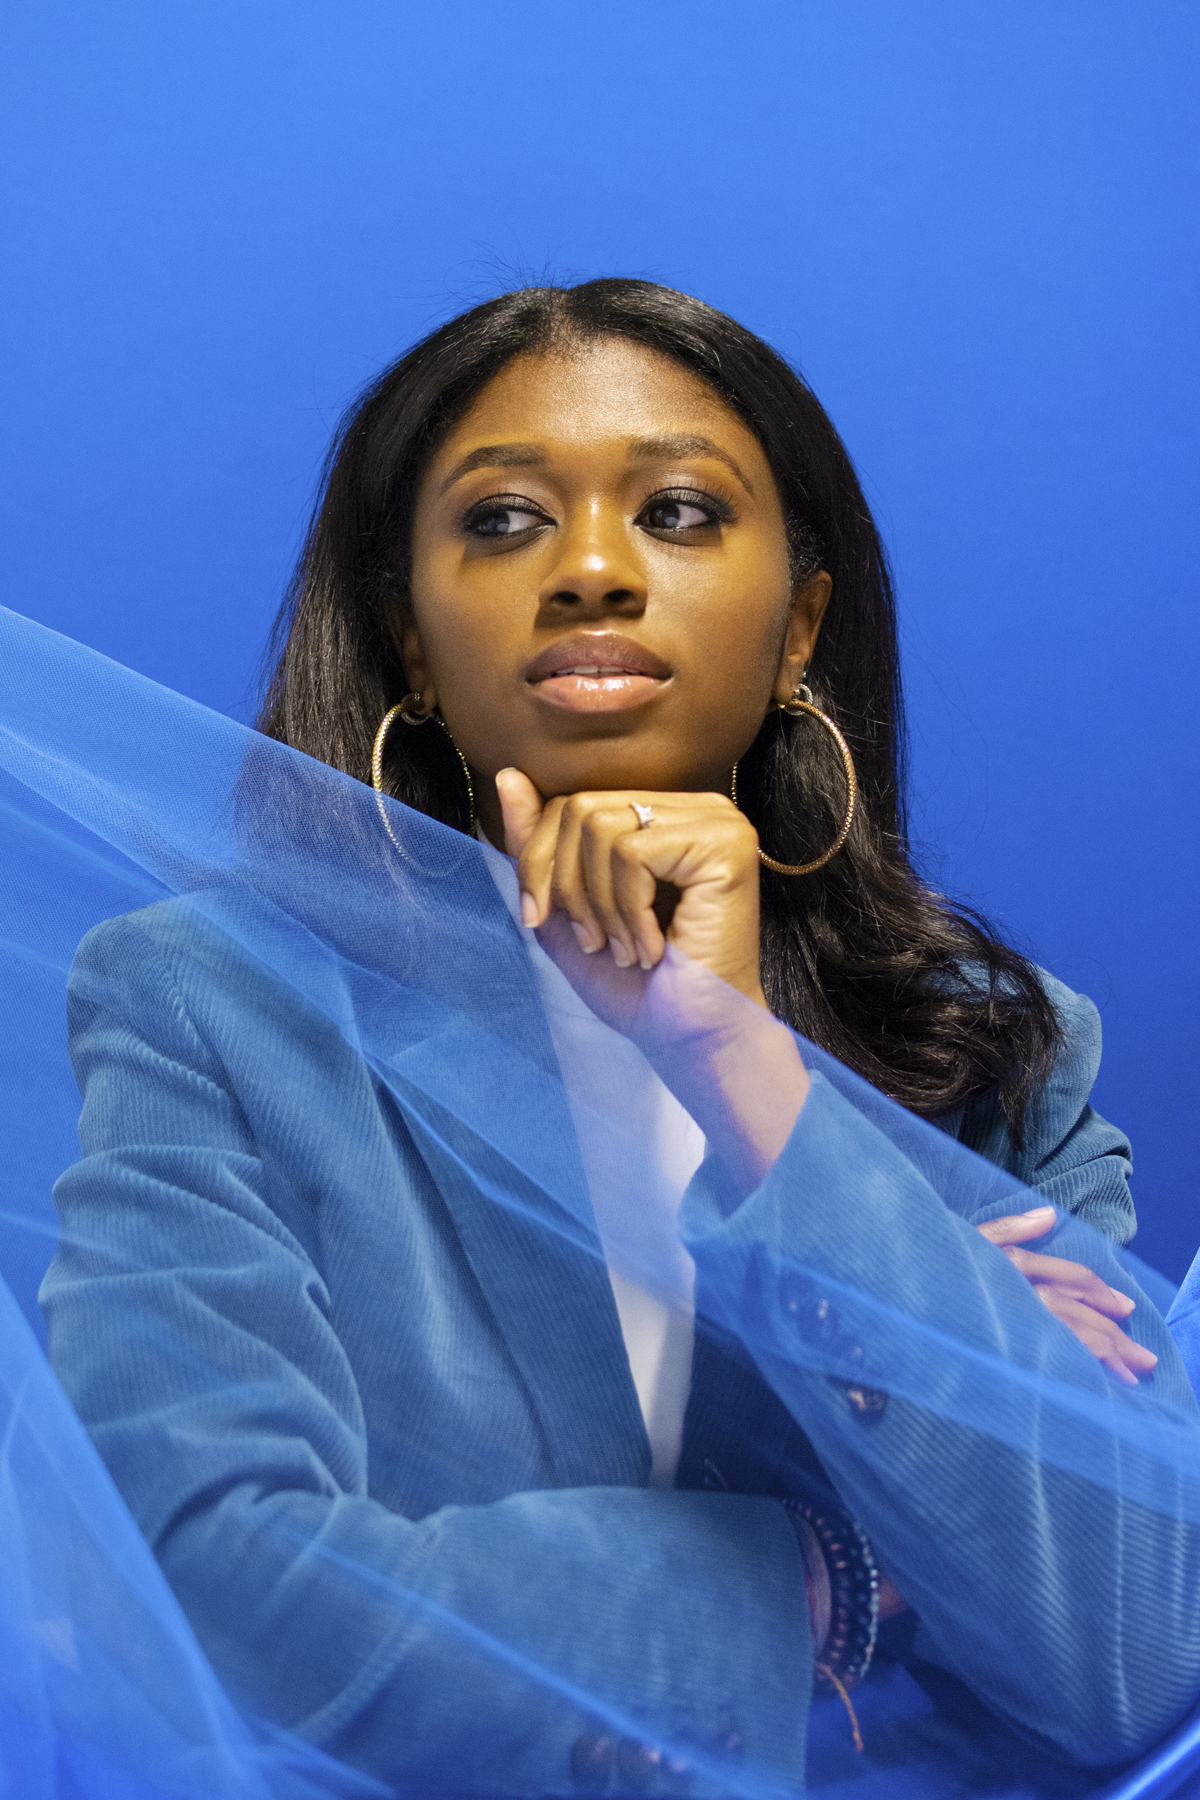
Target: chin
[{"x": 604, "y": 774}]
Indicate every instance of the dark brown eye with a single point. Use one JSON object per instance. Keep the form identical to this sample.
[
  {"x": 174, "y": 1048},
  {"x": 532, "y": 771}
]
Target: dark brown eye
[
  {"x": 496, "y": 521},
  {"x": 676, "y": 515},
  {"x": 683, "y": 511}
]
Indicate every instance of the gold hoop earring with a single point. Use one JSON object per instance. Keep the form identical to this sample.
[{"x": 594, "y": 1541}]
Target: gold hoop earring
[
  {"x": 408, "y": 710},
  {"x": 802, "y": 701},
  {"x": 377, "y": 760}
]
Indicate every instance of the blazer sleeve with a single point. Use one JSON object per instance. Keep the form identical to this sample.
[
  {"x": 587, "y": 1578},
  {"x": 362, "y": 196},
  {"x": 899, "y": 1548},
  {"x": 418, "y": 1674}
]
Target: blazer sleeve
[
  {"x": 1038, "y": 1516},
  {"x": 470, "y": 1649},
  {"x": 1070, "y": 1156}
]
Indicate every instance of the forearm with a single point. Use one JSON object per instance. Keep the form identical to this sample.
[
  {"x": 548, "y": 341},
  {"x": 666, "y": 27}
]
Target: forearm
[
  {"x": 1014, "y": 1495},
  {"x": 733, "y": 1066},
  {"x": 472, "y": 1649}
]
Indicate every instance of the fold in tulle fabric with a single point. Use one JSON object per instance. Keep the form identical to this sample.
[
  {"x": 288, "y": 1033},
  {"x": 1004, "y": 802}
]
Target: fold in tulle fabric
[{"x": 117, "y": 794}]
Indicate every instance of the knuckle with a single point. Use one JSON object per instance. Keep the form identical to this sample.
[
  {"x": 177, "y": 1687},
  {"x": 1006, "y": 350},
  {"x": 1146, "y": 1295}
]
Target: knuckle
[{"x": 602, "y": 822}]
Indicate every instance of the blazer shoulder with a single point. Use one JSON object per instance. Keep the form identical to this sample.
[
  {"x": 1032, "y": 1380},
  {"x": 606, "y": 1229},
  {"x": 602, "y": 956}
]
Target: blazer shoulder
[
  {"x": 1068, "y": 1154},
  {"x": 1062, "y": 1103},
  {"x": 162, "y": 933},
  {"x": 179, "y": 979},
  {"x": 1079, "y": 1059}
]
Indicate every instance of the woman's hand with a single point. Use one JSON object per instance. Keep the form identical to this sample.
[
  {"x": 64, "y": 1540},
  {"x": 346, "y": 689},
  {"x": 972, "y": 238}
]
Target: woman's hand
[
  {"x": 587, "y": 857},
  {"x": 589, "y": 880},
  {"x": 1074, "y": 1294}
]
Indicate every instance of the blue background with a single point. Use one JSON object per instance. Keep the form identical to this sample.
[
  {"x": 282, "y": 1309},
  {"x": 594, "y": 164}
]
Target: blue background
[{"x": 972, "y": 225}]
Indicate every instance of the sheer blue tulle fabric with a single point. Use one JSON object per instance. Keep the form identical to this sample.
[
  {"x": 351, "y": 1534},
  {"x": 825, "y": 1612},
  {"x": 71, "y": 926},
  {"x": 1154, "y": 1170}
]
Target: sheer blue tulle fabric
[{"x": 118, "y": 794}]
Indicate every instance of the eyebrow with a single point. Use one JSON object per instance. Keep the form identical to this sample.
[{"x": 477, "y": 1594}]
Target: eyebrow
[
  {"x": 496, "y": 456},
  {"x": 649, "y": 449},
  {"x": 684, "y": 443}
]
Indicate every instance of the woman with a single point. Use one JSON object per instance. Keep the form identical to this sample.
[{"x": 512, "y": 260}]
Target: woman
[{"x": 488, "y": 1498}]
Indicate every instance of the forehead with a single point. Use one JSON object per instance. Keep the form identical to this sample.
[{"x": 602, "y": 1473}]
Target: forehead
[{"x": 598, "y": 395}]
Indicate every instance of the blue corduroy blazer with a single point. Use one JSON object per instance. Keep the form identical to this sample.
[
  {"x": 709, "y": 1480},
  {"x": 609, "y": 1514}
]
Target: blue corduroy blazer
[{"x": 383, "y": 1436}]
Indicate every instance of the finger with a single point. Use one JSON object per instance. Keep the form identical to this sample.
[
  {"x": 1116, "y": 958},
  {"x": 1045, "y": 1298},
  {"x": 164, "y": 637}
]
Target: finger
[
  {"x": 1107, "y": 1342},
  {"x": 1117, "y": 1366},
  {"x": 891, "y": 1600},
  {"x": 1018, "y": 1228},
  {"x": 1093, "y": 1334},
  {"x": 577, "y": 888},
  {"x": 634, "y": 886},
  {"x": 1074, "y": 1280},
  {"x": 521, "y": 807},
  {"x": 602, "y": 830},
  {"x": 536, "y": 866},
  {"x": 1124, "y": 1358}
]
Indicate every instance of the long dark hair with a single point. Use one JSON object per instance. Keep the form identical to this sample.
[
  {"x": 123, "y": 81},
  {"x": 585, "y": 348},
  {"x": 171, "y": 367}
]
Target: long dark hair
[{"x": 918, "y": 995}]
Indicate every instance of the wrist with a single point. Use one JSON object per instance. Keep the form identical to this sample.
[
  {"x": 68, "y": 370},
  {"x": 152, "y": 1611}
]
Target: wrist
[
  {"x": 843, "y": 1589},
  {"x": 731, "y": 1064}
]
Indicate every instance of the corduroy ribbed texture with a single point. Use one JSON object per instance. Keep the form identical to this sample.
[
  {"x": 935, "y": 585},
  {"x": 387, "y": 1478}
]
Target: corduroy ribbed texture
[{"x": 381, "y": 1432}]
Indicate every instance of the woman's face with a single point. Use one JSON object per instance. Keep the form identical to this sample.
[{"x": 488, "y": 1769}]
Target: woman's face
[{"x": 600, "y": 586}]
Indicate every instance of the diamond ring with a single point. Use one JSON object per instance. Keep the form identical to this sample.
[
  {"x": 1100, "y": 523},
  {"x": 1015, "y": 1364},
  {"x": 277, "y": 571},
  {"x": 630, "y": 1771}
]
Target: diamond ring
[{"x": 645, "y": 815}]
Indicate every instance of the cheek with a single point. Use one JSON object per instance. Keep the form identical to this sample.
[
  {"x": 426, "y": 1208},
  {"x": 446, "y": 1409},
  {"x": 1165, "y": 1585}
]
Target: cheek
[
  {"x": 736, "y": 621},
  {"x": 461, "y": 625}
]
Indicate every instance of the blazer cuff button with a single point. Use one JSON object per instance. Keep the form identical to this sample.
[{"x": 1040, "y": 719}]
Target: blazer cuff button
[
  {"x": 592, "y": 1760},
  {"x": 867, "y": 1402}
]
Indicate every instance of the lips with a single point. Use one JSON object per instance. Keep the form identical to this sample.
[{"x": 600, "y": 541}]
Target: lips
[
  {"x": 596, "y": 656},
  {"x": 597, "y": 672}
]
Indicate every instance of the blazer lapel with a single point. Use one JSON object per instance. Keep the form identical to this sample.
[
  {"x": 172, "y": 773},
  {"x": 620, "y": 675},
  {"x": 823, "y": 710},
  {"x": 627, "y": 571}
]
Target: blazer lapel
[{"x": 493, "y": 1127}]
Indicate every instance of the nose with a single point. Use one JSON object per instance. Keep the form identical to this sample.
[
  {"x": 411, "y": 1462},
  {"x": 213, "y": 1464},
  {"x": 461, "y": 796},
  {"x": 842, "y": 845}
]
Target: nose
[{"x": 597, "y": 570}]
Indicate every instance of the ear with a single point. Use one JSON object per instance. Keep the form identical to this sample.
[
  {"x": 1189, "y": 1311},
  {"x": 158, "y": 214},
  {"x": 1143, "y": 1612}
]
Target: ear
[
  {"x": 809, "y": 601},
  {"x": 402, "y": 626}
]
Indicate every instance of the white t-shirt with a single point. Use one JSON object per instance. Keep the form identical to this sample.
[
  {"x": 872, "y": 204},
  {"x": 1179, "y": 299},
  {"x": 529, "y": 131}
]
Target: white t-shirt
[{"x": 639, "y": 1150}]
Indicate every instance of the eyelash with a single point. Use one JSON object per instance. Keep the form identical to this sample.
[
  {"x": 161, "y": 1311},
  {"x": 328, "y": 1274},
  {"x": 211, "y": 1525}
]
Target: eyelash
[
  {"x": 497, "y": 503},
  {"x": 721, "y": 508}
]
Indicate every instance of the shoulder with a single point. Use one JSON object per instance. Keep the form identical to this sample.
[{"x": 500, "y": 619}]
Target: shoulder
[
  {"x": 211, "y": 1020},
  {"x": 231, "y": 941},
  {"x": 171, "y": 954},
  {"x": 1079, "y": 1059},
  {"x": 1068, "y": 1153},
  {"x": 147, "y": 946},
  {"x": 195, "y": 980}
]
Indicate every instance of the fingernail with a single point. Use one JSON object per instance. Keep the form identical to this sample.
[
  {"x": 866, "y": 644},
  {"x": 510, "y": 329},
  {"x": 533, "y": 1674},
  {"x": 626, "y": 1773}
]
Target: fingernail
[
  {"x": 620, "y": 955},
  {"x": 529, "y": 910},
  {"x": 1039, "y": 1212},
  {"x": 1126, "y": 1302},
  {"x": 583, "y": 938},
  {"x": 645, "y": 963}
]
